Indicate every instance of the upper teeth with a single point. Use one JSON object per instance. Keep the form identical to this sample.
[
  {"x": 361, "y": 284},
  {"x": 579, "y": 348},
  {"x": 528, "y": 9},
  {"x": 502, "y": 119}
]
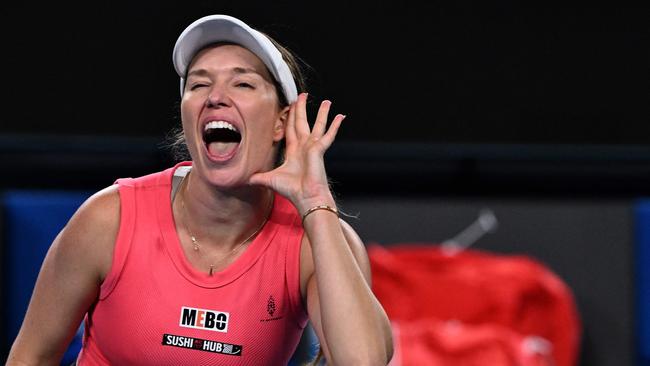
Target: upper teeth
[{"x": 220, "y": 124}]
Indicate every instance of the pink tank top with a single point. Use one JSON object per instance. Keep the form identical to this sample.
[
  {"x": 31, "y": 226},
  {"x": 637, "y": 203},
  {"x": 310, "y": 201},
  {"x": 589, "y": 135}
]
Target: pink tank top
[{"x": 154, "y": 308}]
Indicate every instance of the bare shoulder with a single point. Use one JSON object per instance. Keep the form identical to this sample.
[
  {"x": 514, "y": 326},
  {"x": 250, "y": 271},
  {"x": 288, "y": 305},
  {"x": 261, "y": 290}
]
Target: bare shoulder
[
  {"x": 91, "y": 232},
  {"x": 98, "y": 214},
  {"x": 101, "y": 208}
]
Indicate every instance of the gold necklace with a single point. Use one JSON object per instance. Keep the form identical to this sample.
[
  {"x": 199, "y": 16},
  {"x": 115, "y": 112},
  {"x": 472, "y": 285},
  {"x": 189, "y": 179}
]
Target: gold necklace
[{"x": 195, "y": 243}]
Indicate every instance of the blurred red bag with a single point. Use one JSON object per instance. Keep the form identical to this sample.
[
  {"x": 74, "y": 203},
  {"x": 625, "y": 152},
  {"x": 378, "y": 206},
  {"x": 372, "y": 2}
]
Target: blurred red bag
[
  {"x": 498, "y": 304},
  {"x": 434, "y": 342}
]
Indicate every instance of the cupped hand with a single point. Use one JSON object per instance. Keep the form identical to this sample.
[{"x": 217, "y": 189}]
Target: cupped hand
[{"x": 302, "y": 178}]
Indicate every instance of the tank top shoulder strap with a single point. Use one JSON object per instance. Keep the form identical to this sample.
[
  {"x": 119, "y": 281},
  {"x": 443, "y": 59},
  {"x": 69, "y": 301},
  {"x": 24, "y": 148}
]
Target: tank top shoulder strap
[{"x": 126, "y": 189}]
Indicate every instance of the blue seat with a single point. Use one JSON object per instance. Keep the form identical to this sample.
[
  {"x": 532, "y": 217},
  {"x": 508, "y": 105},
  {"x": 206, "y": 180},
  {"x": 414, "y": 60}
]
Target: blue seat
[
  {"x": 642, "y": 224},
  {"x": 32, "y": 219}
]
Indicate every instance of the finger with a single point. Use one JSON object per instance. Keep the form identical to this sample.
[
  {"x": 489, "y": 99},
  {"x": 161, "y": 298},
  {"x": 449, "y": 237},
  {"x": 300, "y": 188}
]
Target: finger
[
  {"x": 330, "y": 135},
  {"x": 260, "y": 179},
  {"x": 321, "y": 119},
  {"x": 302, "y": 125}
]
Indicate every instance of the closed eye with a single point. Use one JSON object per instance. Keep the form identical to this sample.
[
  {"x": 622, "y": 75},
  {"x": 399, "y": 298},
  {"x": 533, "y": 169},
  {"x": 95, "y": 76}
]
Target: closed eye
[{"x": 196, "y": 86}]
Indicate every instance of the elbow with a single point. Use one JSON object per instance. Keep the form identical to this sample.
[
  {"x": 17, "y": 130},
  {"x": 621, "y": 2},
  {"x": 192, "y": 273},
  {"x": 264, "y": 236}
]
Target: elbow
[
  {"x": 15, "y": 361},
  {"x": 374, "y": 357},
  {"x": 389, "y": 353},
  {"x": 382, "y": 354},
  {"x": 375, "y": 360},
  {"x": 389, "y": 348},
  {"x": 20, "y": 358},
  {"x": 379, "y": 351}
]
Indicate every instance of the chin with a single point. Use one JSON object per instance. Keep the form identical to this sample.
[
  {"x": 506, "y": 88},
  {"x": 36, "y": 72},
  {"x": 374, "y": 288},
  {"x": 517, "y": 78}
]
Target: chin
[{"x": 226, "y": 179}]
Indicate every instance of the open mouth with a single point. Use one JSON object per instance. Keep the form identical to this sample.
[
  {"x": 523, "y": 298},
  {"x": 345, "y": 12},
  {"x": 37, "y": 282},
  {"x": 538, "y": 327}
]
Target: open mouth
[{"x": 221, "y": 138}]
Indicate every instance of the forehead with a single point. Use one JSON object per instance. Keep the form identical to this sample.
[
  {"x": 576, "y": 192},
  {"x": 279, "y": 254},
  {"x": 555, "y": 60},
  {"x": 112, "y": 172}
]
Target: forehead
[{"x": 228, "y": 57}]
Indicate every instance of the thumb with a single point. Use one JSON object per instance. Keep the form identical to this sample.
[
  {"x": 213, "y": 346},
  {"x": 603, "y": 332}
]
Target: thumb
[{"x": 261, "y": 179}]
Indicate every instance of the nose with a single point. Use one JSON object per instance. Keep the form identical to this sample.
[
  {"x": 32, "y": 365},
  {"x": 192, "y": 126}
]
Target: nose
[{"x": 217, "y": 98}]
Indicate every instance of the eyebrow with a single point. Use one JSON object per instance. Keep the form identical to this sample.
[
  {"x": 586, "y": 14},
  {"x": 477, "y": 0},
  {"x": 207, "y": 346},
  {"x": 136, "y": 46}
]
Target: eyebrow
[{"x": 234, "y": 70}]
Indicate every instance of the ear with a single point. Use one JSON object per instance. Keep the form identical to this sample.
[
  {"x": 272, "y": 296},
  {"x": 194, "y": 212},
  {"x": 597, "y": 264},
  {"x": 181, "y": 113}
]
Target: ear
[{"x": 280, "y": 124}]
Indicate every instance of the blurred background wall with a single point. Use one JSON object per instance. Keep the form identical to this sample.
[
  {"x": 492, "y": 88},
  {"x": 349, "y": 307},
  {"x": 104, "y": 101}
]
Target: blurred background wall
[{"x": 538, "y": 113}]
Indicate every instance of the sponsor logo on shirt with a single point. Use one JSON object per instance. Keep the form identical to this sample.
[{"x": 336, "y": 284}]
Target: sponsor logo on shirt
[
  {"x": 199, "y": 344},
  {"x": 271, "y": 308},
  {"x": 204, "y": 319}
]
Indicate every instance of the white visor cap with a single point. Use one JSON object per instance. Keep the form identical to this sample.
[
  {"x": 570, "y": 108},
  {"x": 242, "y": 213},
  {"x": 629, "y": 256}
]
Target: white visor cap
[{"x": 224, "y": 28}]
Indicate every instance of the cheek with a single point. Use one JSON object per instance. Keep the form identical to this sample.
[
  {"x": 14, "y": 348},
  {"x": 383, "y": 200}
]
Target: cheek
[
  {"x": 186, "y": 109},
  {"x": 261, "y": 122},
  {"x": 187, "y": 118},
  {"x": 190, "y": 109}
]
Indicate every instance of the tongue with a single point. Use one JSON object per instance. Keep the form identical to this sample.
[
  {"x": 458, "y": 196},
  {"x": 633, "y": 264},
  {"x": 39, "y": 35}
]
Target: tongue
[{"x": 222, "y": 149}]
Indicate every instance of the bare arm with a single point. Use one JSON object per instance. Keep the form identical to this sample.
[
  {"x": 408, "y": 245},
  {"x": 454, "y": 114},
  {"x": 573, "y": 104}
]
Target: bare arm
[
  {"x": 337, "y": 291},
  {"x": 351, "y": 324},
  {"x": 69, "y": 281}
]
